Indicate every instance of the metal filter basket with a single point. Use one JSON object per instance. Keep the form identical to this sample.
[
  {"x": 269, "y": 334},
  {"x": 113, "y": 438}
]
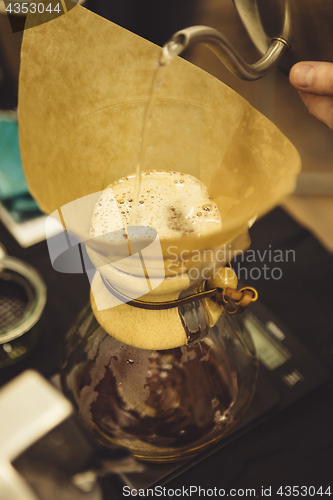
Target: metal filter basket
[{"x": 22, "y": 302}]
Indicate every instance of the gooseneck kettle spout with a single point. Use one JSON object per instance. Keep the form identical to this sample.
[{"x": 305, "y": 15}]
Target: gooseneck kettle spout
[{"x": 183, "y": 39}]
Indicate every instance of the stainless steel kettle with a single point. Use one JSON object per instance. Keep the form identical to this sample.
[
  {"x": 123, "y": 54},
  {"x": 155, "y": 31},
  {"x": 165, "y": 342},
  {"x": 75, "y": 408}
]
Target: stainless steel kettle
[{"x": 284, "y": 31}]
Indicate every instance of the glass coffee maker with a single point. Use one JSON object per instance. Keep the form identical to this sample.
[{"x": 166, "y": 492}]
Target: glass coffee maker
[{"x": 166, "y": 403}]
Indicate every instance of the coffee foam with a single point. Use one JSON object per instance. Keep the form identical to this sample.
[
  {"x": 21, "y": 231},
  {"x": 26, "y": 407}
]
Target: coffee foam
[{"x": 174, "y": 204}]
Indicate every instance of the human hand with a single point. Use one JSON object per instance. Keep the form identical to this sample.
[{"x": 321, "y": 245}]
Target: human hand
[{"x": 314, "y": 81}]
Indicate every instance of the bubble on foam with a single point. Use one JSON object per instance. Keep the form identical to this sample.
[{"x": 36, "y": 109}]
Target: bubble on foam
[{"x": 170, "y": 202}]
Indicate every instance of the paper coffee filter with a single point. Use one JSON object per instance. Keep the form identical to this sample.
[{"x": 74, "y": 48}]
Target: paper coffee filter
[{"x": 84, "y": 83}]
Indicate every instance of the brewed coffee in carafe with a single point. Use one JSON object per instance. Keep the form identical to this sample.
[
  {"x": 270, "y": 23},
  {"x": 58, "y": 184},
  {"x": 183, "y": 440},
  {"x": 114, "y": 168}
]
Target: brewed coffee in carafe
[{"x": 161, "y": 405}]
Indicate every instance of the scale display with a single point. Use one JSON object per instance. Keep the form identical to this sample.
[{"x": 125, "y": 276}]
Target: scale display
[{"x": 270, "y": 353}]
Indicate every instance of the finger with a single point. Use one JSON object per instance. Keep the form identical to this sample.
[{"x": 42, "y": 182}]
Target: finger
[
  {"x": 314, "y": 77},
  {"x": 321, "y": 107}
]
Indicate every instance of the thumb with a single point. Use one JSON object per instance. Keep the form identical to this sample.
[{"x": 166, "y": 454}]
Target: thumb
[{"x": 313, "y": 77}]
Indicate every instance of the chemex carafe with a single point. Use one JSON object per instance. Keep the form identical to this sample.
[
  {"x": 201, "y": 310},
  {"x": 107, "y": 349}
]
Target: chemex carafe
[{"x": 165, "y": 404}]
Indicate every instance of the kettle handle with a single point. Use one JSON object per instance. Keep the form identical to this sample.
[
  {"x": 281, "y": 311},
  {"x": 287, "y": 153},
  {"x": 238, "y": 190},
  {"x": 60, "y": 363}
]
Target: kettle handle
[{"x": 226, "y": 52}]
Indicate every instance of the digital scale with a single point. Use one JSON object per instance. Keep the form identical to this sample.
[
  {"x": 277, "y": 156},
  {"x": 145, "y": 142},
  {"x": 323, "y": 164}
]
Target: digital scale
[{"x": 287, "y": 372}]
